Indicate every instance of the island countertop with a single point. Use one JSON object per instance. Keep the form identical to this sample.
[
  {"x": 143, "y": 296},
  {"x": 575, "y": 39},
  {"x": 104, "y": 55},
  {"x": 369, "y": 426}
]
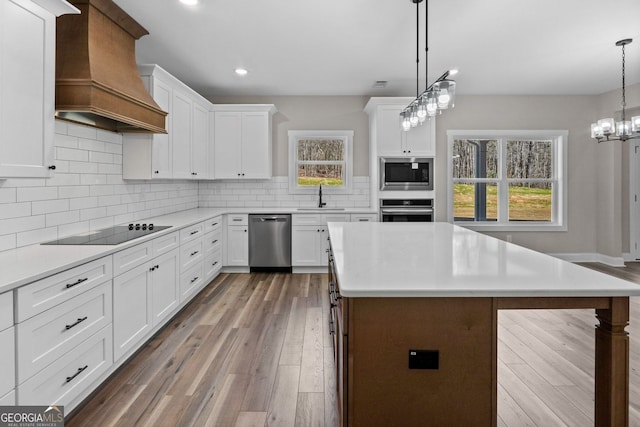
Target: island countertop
[{"x": 377, "y": 259}]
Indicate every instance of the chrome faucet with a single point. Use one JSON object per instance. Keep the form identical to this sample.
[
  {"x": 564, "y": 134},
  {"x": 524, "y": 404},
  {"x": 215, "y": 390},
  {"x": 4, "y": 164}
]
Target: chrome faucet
[{"x": 320, "y": 202}]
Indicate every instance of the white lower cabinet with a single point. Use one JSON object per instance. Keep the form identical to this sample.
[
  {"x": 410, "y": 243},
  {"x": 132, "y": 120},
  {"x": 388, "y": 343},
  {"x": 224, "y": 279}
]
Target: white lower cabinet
[
  {"x": 165, "y": 295},
  {"x": 44, "y": 338},
  {"x": 132, "y": 314},
  {"x": 237, "y": 240},
  {"x": 306, "y": 245},
  {"x": 191, "y": 280},
  {"x": 7, "y": 362},
  {"x": 70, "y": 375},
  {"x": 310, "y": 238}
]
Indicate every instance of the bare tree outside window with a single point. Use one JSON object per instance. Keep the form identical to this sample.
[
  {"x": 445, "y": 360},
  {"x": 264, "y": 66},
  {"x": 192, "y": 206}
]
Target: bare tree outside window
[{"x": 320, "y": 161}]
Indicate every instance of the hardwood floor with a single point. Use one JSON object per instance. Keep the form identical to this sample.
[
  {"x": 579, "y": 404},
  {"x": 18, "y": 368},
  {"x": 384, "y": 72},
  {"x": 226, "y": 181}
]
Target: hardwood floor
[{"x": 254, "y": 350}]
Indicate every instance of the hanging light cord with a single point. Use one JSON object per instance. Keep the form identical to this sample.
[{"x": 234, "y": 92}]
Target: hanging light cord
[
  {"x": 417, "y": 47},
  {"x": 426, "y": 44},
  {"x": 624, "y": 100}
]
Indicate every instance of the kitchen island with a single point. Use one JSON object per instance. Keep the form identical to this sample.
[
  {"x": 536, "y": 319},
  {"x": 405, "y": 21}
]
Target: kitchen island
[{"x": 414, "y": 319}]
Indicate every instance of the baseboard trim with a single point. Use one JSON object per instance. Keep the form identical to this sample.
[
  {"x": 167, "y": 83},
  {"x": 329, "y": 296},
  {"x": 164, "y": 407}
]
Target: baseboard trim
[{"x": 591, "y": 257}]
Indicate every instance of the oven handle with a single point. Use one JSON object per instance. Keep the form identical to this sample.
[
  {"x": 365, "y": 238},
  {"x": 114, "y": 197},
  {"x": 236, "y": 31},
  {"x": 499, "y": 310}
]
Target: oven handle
[{"x": 409, "y": 211}]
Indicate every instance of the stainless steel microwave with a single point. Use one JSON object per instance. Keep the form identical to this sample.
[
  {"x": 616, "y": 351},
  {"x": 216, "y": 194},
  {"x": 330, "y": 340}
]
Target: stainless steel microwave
[{"x": 406, "y": 173}]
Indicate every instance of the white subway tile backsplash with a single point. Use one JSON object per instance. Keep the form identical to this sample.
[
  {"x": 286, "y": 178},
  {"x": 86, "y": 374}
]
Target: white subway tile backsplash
[
  {"x": 87, "y": 192},
  {"x": 37, "y": 236},
  {"x": 83, "y": 203},
  {"x": 49, "y": 206},
  {"x": 15, "y": 210},
  {"x": 29, "y": 194},
  {"x": 8, "y": 195},
  {"x": 63, "y": 153},
  {"x": 62, "y": 218},
  {"x": 25, "y": 223}
]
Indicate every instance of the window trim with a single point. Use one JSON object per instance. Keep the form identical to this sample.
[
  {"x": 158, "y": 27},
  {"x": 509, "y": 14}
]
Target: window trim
[
  {"x": 346, "y": 135},
  {"x": 559, "y": 180}
]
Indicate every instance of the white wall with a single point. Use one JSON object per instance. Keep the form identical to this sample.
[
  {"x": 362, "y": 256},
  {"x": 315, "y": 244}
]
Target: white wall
[{"x": 86, "y": 193}]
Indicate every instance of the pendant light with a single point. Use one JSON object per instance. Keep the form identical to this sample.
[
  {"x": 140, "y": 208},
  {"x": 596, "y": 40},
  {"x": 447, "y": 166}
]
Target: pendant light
[
  {"x": 438, "y": 96},
  {"x": 607, "y": 129}
]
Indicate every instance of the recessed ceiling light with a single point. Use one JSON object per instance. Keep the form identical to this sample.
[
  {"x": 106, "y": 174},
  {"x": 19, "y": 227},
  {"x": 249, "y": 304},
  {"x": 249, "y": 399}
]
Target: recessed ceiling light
[
  {"x": 241, "y": 71},
  {"x": 189, "y": 2}
]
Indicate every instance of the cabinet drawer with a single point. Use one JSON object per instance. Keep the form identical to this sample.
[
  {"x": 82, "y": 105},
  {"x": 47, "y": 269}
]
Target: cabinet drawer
[
  {"x": 326, "y": 218},
  {"x": 240, "y": 219},
  {"x": 7, "y": 361},
  {"x": 166, "y": 243},
  {"x": 191, "y": 254},
  {"x": 127, "y": 259},
  {"x": 6, "y": 311},
  {"x": 190, "y": 233},
  {"x": 67, "y": 377},
  {"x": 306, "y": 220},
  {"x": 212, "y": 240},
  {"x": 190, "y": 281},
  {"x": 53, "y": 290},
  {"x": 212, "y": 263},
  {"x": 49, "y": 335},
  {"x": 212, "y": 224},
  {"x": 364, "y": 217}
]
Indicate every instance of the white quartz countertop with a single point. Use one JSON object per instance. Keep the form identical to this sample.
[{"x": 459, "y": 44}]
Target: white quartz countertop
[
  {"x": 30, "y": 263},
  {"x": 442, "y": 260}
]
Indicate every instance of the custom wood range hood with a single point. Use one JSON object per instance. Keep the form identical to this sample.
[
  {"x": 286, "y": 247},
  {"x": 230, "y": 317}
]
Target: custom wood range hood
[{"x": 97, "y": 79}]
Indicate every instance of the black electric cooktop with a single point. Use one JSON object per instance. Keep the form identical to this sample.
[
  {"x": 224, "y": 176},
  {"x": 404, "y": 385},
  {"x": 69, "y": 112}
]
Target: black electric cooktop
[{"x": 110, "y": 236}]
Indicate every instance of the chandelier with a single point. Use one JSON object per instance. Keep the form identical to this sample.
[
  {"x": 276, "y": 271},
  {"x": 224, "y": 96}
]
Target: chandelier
[
  {"x": 608, "y": 129},
  {"x": 438, "y": 96}
]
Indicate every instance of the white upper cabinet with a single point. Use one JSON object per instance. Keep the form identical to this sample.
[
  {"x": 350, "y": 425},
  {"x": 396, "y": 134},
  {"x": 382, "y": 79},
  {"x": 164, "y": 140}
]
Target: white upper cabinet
[
  {"x": 182, "y": 153},
  {"x": 389, "y": 137},
  {"x": 27, "y": 86},
  {"x": 242, "y": 141}
]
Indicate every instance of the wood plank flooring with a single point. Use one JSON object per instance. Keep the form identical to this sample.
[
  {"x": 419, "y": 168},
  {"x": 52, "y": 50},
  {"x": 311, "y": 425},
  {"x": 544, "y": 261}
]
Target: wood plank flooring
[{"x": 254, "y": 350}]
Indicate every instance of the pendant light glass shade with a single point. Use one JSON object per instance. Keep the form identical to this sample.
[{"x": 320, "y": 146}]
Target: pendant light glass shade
[{"x": 607, "y": 129}]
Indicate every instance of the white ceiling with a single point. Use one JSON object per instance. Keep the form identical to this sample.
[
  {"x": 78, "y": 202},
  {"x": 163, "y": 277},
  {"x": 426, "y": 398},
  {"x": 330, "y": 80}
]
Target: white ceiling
[{"x": 341, "y": 47}]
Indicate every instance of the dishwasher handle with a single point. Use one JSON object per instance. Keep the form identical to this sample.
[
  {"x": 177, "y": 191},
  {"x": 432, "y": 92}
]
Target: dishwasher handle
[{"x": 269, "y": 219}]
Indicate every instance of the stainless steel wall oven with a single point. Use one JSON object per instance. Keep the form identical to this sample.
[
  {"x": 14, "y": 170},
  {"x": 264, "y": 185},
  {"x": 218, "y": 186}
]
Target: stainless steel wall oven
[{"x": 406, "y": 210}]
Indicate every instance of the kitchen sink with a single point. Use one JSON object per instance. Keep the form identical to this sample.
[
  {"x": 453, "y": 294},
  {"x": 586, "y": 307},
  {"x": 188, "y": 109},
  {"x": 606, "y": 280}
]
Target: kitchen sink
[{"x": 320, "y": 209}]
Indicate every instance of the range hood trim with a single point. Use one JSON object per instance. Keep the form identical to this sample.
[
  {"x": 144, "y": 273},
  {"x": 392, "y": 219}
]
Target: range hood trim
[{"x": 97, "y": 78}]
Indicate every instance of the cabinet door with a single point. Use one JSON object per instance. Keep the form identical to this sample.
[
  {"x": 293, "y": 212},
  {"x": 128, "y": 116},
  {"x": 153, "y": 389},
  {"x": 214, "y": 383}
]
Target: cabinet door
[
  {"x": 227, "y": 140},
  {"x": 389, "y": 130},
  {"x": 200, "y": 142},
  {"x": 256, "y": 149},
  {"x": 165, "y": 285},
  {"x": 418, "y": 141},
  {"x": 306, "y": 245},
  {"x": 161, "y": 142},
  {"x": 7, "y": 361},
  {"x": 27, "y": 67},
  {"x": 132, "y": 312},
  {"x": 181, "y": 135},
  {"x": 237, "y": 246}
]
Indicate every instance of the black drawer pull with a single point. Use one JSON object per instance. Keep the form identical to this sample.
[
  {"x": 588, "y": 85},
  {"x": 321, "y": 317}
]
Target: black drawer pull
[
  {"x": 193, "y": 232},
  {"x": 214, "y": 242},
  {"x": 193, "y": 253},
  {"x": 80, "y": 320},
  {"x": 80, "y": 370},
  {"x": 214, "y": 224},
  {"x": 194, "y": 279},
  {"x": 214, "y": 263},
  {"x": 71, "y": 285}
]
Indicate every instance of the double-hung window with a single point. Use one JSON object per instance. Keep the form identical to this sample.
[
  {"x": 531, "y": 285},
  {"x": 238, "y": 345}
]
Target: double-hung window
[
  {"x": 320, "y": 158},
  {"x": 507, "y": 180}
]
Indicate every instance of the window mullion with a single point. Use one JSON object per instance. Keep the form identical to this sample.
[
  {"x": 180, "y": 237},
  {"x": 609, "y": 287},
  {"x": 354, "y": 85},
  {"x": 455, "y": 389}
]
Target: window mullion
[{"x": 503, "y": 185}]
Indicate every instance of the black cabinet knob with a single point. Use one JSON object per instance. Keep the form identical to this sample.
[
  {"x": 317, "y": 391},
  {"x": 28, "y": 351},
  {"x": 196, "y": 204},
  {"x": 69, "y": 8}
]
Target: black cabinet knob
[{"x": 52, "y": 167}]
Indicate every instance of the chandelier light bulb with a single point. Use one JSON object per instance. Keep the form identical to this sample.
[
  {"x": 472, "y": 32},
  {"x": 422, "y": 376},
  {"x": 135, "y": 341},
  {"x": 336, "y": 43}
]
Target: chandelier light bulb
[
  {"x": 623, "y": 128},
  {"x": 443, "y": 99},
  {"x": 635, "y": 124},
  {"x": 608, "y": 126}
]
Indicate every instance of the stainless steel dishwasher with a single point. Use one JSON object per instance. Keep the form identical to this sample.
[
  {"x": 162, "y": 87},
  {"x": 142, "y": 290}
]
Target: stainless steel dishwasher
[{"x": 270, "y": 242}]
